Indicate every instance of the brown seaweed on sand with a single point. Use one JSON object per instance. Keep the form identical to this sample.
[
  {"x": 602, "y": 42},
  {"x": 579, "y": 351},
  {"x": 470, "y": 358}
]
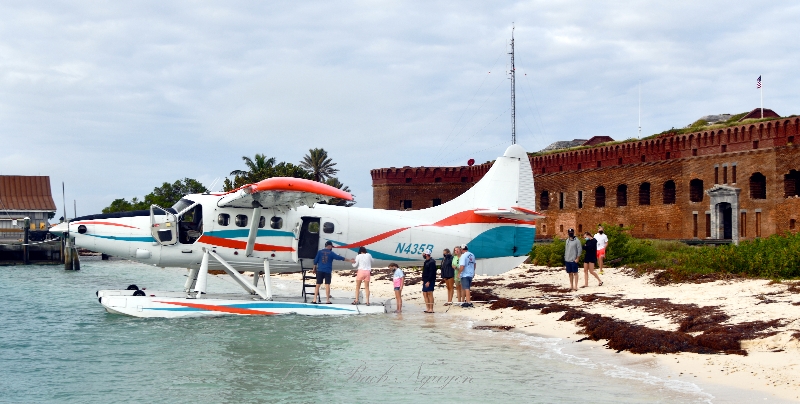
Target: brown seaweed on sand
[{"x": 493, "y": 327}]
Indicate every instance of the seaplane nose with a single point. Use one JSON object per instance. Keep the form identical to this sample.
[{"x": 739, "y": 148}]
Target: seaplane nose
[{"x": 60, "y": 229}]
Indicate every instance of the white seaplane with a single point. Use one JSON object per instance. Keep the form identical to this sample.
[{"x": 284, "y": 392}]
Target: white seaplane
[{"x": 277, "y": 225}]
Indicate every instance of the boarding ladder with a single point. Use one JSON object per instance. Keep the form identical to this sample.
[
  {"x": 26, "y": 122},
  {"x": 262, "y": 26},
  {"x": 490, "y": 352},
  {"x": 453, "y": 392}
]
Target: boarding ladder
[{"x": 306, "y": 277}]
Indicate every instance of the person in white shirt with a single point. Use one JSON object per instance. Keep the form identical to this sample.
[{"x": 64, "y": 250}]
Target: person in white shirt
[
  {"x": 602, "y": 244},
  {"x": 363, "y": 262}
]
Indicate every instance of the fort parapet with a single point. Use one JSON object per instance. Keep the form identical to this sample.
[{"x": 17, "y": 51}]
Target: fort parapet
[{"x": 735, "y": 182}]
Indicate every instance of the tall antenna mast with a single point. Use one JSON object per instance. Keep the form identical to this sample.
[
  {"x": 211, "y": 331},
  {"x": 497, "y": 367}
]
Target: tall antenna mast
[
  {"x": 640, "y": 109},
  {"x": 513, "y": 88}
]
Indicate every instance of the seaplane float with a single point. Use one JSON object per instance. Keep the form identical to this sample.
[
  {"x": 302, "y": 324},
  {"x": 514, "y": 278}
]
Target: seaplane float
[{"x": 278, "y": 225}]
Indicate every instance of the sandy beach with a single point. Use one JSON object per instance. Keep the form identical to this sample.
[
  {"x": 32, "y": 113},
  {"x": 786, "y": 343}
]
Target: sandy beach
[{"x": 740, "y": 333}]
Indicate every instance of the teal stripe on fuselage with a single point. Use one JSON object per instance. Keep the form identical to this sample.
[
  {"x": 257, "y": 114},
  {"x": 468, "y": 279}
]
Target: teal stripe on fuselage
[
  {"x": 246, "y": 232},
  {"x": 500, "y": 242},
  {"x": 123, "y": 238}
]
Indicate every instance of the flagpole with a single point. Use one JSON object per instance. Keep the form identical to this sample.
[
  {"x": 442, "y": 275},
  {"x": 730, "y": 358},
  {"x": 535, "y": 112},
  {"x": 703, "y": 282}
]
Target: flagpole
[{"x": 761, "y": 87}]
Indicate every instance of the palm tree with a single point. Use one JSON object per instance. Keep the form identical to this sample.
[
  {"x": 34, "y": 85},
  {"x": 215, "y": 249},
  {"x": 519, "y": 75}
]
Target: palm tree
[
  {"x": 334, "y": 182},
  {"x": 258, "y": 168},
  {"x": 319, "y": 165}
]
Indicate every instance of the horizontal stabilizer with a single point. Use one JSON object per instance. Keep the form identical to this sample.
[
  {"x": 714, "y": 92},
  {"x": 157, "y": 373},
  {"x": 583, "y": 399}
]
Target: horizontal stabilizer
[{"x": 515, "y": 212}]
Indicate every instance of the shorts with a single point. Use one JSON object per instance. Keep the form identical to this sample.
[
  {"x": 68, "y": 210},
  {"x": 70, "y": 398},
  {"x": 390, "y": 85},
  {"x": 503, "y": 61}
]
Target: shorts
[
  {"x": 323, "y": 276},
  {"x": 428, "y": 288},
  {"x": 590, "y": 260},
  {"x": 601, "y": 252},
  {"x": 572, "y": 267},
  {"x": 397, "y": 288},
  {"x": 362, "y": 275},
  {"x": 447, "y": 277},
  {"x": 466, "y": 282}
]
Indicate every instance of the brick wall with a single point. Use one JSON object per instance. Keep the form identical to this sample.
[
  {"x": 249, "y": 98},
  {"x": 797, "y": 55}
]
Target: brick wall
[{"x": 763, "y": 151}]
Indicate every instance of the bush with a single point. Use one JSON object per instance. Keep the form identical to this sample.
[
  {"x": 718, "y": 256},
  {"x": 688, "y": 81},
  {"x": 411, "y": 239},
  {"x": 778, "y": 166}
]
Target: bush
[{"x": 548, "y": 254}]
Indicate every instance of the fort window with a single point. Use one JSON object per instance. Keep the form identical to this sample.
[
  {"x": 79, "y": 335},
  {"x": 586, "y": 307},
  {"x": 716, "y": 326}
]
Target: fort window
[
  {"x": 790, "y": 139},
  {"x": 667, "y": 225},
  {"x": 579, "y": 166},
  {"x": 599, "y": 163},
  {"x": 724, "y": 174},
  {"x": 694, "y": 152},
  {"x": 619, "y": 161},
  {"x": 223, "y": 219},
  {"x": 580, "y": 229},
  {"x": 464, "y": 179},
  {"x": 790, "y": 184},
  {"x": 580, "y": 199},
  {"x": 622, "y": 195},
  {"x": 669, "y": 192},
  {"x": 694, "y": 225},
  {"x": 561, "y": 228},
  {"x": 708, "y": 225},
  {"x": 561, "y": 200},
  {"x": 668, "y": 155},
  {"x": 642, "y": 158},
  {"x": 758, "y": 224},
  {"x": 755, "y": 144},
  {"x": 436, "y": 202},
  {"x": 544, "y": 229},
  {"x": 437, "y": 179},
  {"x": 724, "y": 148},
  {"x": 644, "y": 193},
  {"x": 241, "y": 220},
  {"x": 600, "y": 197},
  {"x": 408, "y": 180},
  {"x": 696, "y": 190},
  {"x": 792, "y": 224},
  {"x": 405, "y": 204},
  {"x": 716, "y": 174},
  {"x": 743, "y": 225},
  {"x": 758, "y": 186},
  {"x": 544, "y": 200},
  {"x": 733, "y": 174}
]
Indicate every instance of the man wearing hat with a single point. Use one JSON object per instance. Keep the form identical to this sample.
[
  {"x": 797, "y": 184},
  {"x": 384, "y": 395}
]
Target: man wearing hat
[
  {"x": 323, "y": 267},
  {"x": 572, "y": 253},
  {"x": 428, "y": 279},
  {"x": 466, "y": 264}
]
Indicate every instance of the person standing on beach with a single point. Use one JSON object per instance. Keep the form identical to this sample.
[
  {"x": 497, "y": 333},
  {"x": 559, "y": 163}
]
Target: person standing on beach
[
  {"x": 467, "y": 265},
  {"x": 363, "y": 262},
  {"x": 589, "y": 259},
  {"x": 457, "y": 274},
  {"x": 572, "y": 253},
  {"x": 447, "y": 274},
  {"x": 428, "y": 280},
  {"x": 398, "y": 281},
  {"x": 323, "y": 267},
  {"x": 602, "y": 244}
]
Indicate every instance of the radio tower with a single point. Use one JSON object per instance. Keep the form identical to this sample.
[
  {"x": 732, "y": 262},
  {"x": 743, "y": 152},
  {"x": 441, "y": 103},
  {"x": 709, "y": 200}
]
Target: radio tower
[{"x": 513, "y": 88}]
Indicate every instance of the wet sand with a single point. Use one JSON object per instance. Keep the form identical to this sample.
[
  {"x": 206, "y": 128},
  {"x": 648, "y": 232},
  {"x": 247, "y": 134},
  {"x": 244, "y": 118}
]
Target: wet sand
[{"x": 737, "y": 334}]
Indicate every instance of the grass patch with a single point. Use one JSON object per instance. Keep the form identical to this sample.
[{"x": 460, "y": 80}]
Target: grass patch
[{"x": 775, "y": 257}]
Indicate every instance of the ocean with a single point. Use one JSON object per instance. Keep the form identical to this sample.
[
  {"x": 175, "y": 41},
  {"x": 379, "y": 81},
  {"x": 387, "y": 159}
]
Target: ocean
[{"x": 58, "y": 345}]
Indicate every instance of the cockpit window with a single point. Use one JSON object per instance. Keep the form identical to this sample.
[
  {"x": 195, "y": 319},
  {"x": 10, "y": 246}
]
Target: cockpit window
[{"x": 182, "y": 204}]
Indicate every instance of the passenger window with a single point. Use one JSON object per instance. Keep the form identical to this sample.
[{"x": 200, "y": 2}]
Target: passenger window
[
  {"x": 327, "y": 227},
  {"x": 261, "y": 222},
  {"x": 223, "y": 219},
  {"x": 313, "y": 227},
  {"x": 277, "y": 223},
  {"x": 241, "y": 220}
]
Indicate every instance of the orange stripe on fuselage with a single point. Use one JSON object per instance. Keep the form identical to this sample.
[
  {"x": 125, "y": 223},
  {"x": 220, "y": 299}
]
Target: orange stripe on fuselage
[
  {"x": 241, "y": 245},
  {"x": 374, "y": 239},
  {"x": 224, "y": 309}
]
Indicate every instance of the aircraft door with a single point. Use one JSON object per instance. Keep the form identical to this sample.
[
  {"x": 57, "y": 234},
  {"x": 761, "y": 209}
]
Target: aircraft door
[
  {"x": 308, "y": 243},
  {"x": 163, "y": 225}
]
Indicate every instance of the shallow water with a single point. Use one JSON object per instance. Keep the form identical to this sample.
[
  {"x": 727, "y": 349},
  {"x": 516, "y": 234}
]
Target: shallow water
[{"x": 59, "y": 345}]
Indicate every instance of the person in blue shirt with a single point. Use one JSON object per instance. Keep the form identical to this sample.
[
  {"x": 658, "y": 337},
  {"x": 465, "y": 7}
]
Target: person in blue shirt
[
  {"x": 466, "y": 264},
  {"x": 323, "y": 267}
]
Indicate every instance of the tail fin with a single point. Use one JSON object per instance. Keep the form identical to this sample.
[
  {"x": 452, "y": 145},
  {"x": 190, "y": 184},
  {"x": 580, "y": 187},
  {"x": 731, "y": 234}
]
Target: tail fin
[{"x": 508, "y": 184}]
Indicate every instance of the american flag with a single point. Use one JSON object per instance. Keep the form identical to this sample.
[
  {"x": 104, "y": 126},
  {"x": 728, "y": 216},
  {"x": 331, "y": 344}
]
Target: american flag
[{"x": 758, "y": 82}]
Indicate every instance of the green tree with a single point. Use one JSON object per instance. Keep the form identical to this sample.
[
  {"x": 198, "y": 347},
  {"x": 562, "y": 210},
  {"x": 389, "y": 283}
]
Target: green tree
[
  {"x": 260, "y": 168},
  {"x": 334, "y": 182},
  {"x": 319, "y": 165},
  {"x": 166, "y": 195}
]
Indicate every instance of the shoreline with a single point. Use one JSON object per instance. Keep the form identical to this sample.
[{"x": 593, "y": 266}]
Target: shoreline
[{"x": 769, "y": 313}]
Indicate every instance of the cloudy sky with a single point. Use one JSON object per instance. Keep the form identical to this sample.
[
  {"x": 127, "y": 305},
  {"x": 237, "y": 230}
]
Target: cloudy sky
[{"x": 115, "y": 98}]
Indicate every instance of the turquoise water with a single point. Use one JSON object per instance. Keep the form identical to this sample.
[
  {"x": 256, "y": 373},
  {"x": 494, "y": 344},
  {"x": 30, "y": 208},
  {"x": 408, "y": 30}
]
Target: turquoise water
[{"x": 59, "y": 345}]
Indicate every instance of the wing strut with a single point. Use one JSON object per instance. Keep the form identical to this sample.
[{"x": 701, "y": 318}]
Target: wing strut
[{"x": 251, "y": 238}]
